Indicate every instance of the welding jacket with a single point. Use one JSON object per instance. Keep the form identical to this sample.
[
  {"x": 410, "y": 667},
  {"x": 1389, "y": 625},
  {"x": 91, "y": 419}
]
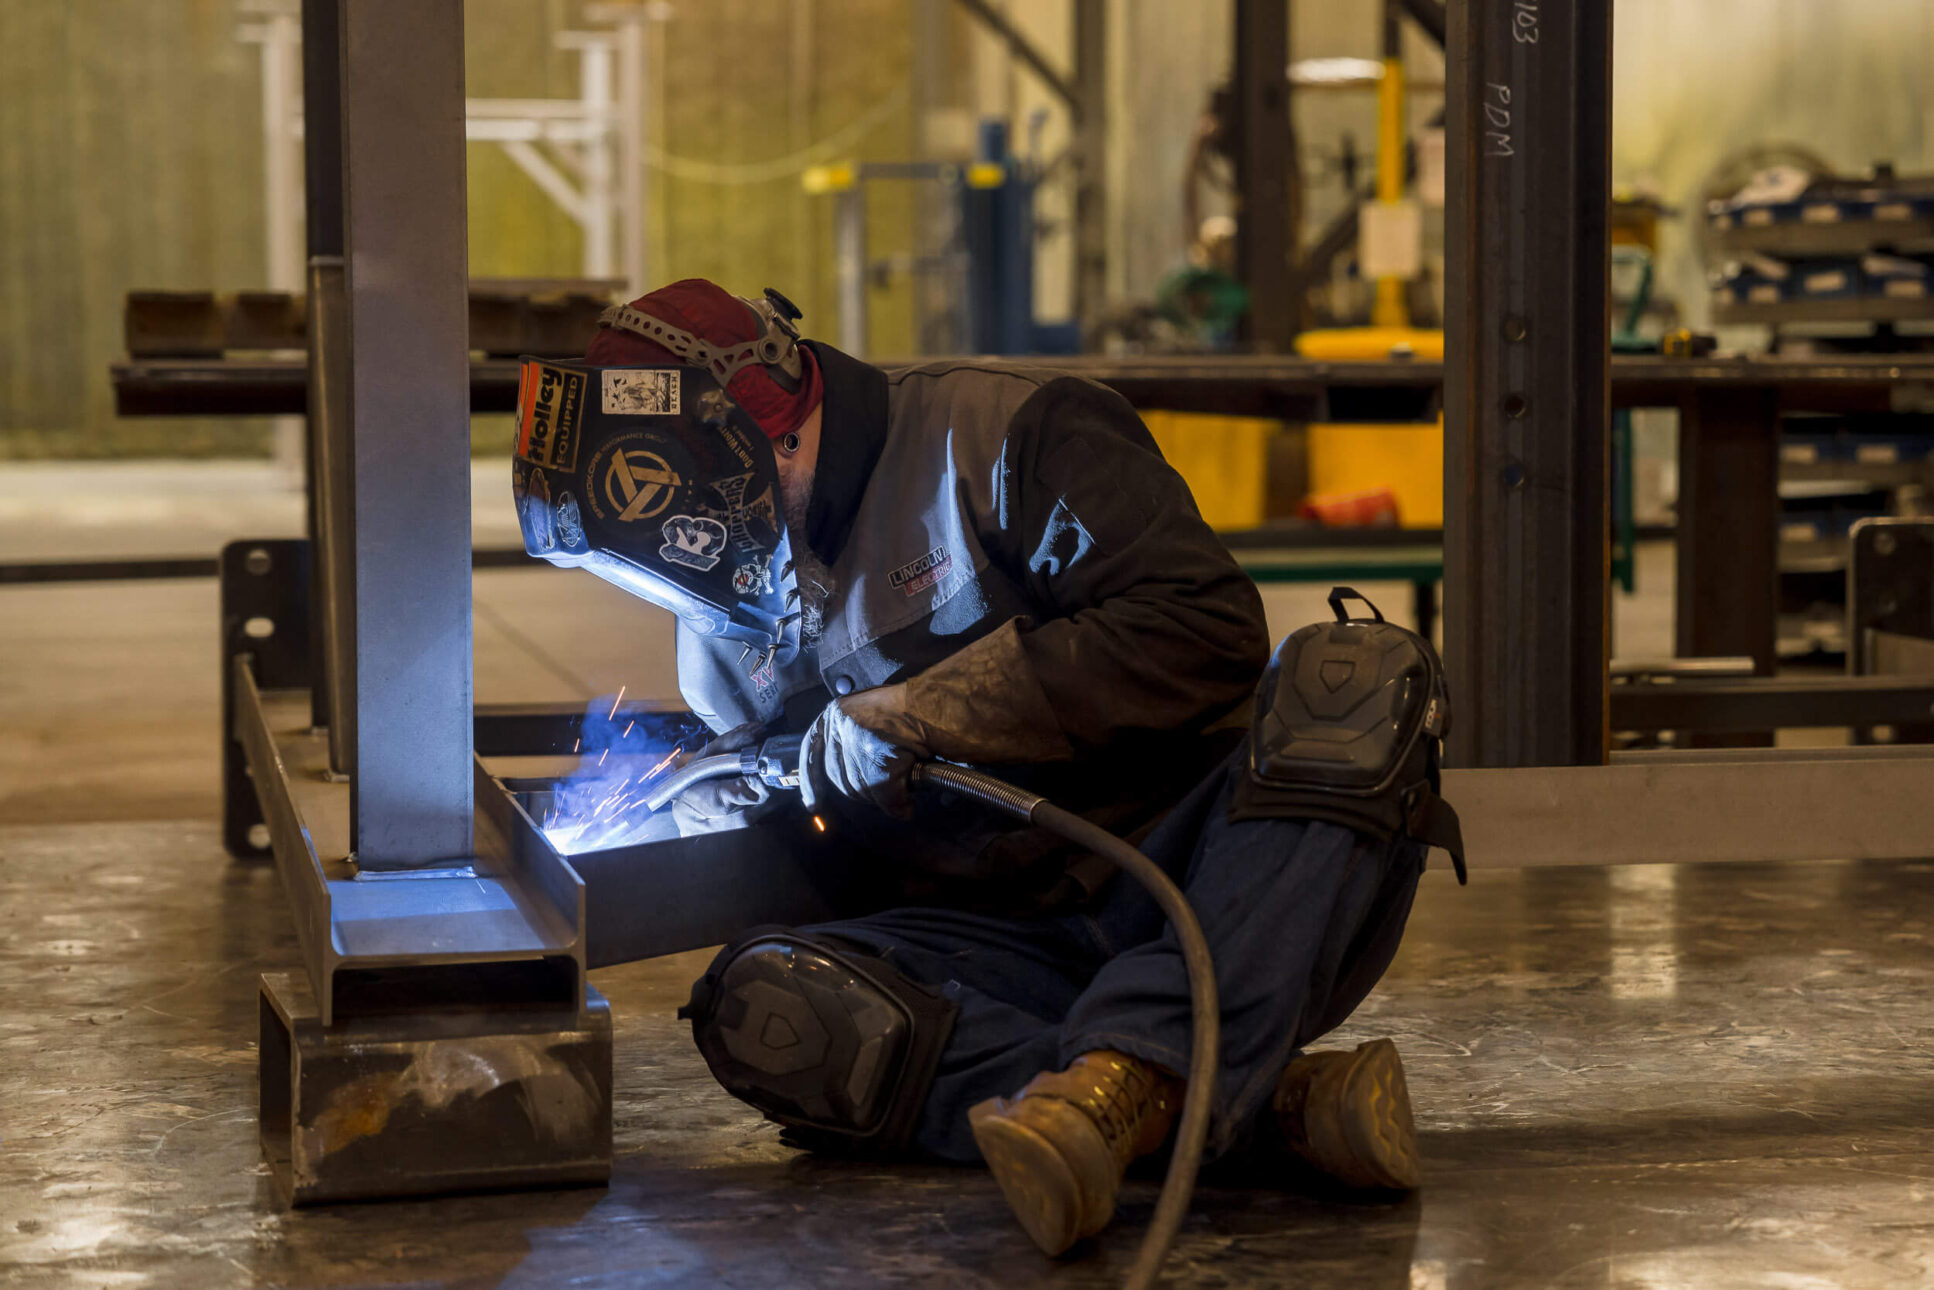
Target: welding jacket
[{"x": 1032, "y": 515}]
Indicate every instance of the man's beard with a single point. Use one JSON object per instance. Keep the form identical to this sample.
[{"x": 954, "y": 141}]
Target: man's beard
[{"x": 814, "y": 579}]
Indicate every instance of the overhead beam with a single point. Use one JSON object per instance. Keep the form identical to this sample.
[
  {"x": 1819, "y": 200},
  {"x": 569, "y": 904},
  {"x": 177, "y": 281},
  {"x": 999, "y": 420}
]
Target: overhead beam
[{"x": 1022, "y": 48}]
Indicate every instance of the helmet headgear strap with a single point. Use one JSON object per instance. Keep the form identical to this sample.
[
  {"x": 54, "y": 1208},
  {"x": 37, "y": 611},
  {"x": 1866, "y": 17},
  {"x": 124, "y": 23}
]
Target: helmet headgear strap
[{"x": 776, "y": 347}]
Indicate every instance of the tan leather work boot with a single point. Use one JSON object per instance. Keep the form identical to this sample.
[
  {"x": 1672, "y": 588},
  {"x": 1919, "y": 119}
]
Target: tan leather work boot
[
  {"x": 1348, "y": 1115},
  {"x": 1059, "y": 1149}
]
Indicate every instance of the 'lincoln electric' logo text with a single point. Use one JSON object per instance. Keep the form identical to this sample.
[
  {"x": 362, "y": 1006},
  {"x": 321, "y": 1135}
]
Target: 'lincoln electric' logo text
[{"x": 916, "y": 577}]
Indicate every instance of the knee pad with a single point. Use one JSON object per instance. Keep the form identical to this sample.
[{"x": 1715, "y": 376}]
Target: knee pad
[
  {"x": 825, "y": 1039},
  {"x": 1348, "y": 727}
]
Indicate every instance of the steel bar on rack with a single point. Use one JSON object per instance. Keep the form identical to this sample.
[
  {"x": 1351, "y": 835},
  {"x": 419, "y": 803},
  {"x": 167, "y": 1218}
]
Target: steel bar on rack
[
  {"x": 1763, "y": 704},
  {"x": 1281, "y": 386}
]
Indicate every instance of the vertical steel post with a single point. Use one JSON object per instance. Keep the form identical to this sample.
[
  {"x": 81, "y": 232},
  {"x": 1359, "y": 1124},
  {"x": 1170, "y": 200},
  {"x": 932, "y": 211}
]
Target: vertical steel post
[
  {"x": 329, "y": 608},
  {"x": 409, "y": 419},
  {"x": 1091, "y": 150},
  {"x": 1526, "y": 392},
  {"x": 631, "y": 127},
  {"x": 1263, "y": 155},
  {"x": 849, "y": 264}
]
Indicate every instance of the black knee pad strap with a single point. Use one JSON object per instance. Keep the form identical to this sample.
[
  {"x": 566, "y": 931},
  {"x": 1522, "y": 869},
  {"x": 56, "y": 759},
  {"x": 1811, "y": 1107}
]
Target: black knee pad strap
[{"x": 824, "y": 1038}]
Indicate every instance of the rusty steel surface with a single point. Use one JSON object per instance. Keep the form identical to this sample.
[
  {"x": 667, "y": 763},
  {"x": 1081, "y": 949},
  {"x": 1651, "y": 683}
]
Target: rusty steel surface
[{"x": 398, "y": 1104}]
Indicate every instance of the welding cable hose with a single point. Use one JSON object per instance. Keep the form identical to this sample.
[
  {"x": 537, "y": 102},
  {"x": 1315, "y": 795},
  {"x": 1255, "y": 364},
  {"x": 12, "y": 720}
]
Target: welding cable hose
[
  {"x": 1206, "y": 1045},
  {"x": 693, "y": 772}
]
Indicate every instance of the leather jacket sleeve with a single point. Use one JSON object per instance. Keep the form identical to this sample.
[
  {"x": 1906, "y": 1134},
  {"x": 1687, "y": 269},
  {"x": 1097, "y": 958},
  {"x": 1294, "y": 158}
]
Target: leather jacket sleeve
[{"x": 1147, "y": 624}]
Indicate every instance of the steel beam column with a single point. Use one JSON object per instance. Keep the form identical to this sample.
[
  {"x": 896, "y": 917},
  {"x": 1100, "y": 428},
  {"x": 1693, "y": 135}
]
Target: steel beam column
[
  {"x": 322, "y": 191},
  {"x": 1526, "y": 395},
  {"x": 408, "y": 334},
  {"x": 1263, "y": 152}
]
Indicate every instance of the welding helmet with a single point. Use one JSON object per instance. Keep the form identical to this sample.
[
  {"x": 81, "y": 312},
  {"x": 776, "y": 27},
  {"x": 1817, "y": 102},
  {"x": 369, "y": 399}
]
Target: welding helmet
[{"x": 656, "y": 480}]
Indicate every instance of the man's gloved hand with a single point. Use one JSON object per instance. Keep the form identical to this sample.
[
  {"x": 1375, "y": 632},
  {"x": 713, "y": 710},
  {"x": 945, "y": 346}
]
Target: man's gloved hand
[
  {"x": 863, "y": 746},
  {"x": 982, "y": 705},
  {"x": 719, "y": 804}
]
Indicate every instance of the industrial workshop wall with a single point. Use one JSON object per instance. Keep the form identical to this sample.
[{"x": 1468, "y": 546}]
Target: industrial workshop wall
[
  {"x": 1701, "y": 86},
  {"x": 133, "y": 159}
]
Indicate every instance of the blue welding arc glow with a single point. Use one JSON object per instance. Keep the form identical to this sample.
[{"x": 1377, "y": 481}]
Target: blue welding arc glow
[{"x": 621, "y": 757}]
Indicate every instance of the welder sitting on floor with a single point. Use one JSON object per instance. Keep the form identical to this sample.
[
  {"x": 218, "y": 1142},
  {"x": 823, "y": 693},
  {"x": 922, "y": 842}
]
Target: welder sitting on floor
[{"x": 995, "y": 567}]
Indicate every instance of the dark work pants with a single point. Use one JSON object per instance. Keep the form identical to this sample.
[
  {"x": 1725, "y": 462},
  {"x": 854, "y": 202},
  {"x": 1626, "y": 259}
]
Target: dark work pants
[{"x": 1302, "y": 917}]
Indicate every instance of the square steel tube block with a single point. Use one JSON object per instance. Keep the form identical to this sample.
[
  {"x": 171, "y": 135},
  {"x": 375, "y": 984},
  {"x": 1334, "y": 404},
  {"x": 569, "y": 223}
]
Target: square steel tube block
[{"x": 421, "y": 1102}]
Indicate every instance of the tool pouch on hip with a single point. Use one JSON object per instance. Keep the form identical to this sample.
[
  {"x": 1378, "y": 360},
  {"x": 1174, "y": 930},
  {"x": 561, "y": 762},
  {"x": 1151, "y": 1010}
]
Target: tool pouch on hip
[{"x": 1349, "y": 722}]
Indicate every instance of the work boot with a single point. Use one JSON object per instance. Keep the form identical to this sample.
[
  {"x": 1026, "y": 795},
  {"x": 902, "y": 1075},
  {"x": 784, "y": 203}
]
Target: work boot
[
  {"x": 1059, "y": 1149},
  {"x": 1348, "y": 1115}
]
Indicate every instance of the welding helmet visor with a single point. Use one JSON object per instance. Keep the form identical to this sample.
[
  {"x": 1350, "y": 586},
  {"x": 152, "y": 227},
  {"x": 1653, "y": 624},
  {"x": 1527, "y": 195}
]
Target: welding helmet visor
[{"x": 657, "y": 481}]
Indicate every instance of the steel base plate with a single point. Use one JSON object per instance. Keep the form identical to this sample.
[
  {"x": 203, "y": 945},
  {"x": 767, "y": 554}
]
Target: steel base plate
[{"x": 416, "y": 1102}]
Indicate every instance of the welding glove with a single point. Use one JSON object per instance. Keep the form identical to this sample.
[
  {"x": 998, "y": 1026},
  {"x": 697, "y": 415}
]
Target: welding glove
[
  {"x": 732, "y": 802},
  {"x": 983, "y": 705}
]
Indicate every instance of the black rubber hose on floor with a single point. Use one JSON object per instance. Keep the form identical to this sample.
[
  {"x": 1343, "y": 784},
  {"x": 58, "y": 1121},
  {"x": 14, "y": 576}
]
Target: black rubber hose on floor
[{"x": 1206, "y": 1045}]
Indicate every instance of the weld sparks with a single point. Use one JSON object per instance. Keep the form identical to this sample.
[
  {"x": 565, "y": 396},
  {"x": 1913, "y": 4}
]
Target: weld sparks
[
  {"x": 602, "y": 804},
  {"x": 615, "y": 814}
]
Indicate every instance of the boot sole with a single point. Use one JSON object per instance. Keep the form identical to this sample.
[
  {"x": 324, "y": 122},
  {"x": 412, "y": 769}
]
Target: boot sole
[
  {"x": 1360, "y": 1119},
  {"x": 1038, "y": 1182}
]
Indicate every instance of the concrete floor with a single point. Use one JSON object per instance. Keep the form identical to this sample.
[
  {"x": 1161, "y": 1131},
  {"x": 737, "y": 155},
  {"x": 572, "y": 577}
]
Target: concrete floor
[
  {"x": 1653, "y": 1077},
  {"x": 1709, "y": 1076}
]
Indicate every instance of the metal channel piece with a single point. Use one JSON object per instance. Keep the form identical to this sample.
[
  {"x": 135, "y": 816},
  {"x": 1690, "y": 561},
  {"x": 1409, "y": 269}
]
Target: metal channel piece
[
  {"x": 508, "y": 929},
  {"x": 1694, "y": 806},
  {"x": 666, "y": 894},
  {"x": 408, "y": 504}
]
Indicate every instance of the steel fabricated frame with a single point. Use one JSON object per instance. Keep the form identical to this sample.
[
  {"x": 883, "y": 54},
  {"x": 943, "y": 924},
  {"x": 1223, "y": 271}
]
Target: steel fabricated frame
[{"x": 443, "y": 1035}]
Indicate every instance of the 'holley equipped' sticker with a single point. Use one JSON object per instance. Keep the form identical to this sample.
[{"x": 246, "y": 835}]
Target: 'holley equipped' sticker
[
  {"x": 550, "y": 401},
  {"x": 697, "y": 542},
  {"x": 641, "y": 391}
]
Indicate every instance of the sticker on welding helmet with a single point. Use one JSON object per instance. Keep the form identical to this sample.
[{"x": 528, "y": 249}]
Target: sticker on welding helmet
[
  {"x": 753, "y": 578},
  {"x": 642, "y": 391},
  {"x": 639, "y": 485},
  {"x": 570, "y": 525},
  {"x": 743, "y": 512},
  {"x": 536, "y": 508},
  {"x": 550, "y": 402},
  {"x": 697, "y": 542}
]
